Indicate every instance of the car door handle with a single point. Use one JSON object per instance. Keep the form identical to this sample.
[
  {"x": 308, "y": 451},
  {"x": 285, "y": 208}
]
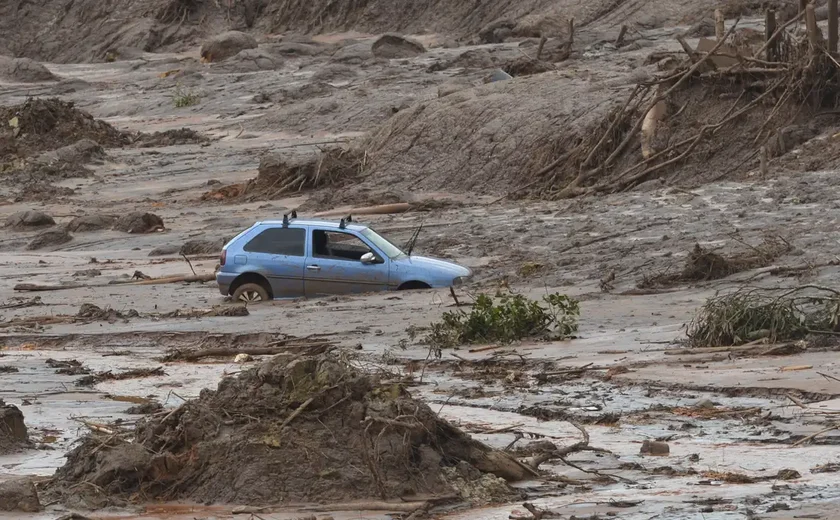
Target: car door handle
[{"x": 313, "y": 268}]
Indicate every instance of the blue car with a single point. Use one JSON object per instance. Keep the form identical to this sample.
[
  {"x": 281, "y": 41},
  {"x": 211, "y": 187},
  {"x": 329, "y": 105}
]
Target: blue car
[{"x": 293, "y": 258}]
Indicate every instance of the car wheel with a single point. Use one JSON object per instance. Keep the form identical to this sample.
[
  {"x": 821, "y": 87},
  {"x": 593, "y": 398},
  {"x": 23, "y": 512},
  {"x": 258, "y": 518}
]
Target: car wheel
[{"x": 250, "y": 293}]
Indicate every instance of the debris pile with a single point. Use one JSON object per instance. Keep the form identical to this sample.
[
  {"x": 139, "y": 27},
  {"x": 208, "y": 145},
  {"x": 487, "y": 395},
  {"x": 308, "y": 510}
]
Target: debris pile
[
  {"x": 295, "y": 428},
  {"x": 13, "y": 433},
  {"x": 703, "y": 264},
  {"x": 280, "y": 175},
  {"x": 753, "y": 314},
  {"x": 39, "y": 125}
]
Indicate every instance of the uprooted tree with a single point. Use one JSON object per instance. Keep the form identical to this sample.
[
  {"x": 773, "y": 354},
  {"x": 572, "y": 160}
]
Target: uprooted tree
[{"x": 728, "y": 108}]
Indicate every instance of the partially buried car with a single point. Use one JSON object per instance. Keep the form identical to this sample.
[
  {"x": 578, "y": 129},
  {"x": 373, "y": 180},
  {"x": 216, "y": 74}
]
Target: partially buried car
[{"x": 292, "y": 258}]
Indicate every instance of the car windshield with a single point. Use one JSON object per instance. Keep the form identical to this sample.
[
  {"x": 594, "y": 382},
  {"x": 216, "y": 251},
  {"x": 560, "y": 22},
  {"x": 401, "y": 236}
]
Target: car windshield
[{"x": 382, "y": 243}]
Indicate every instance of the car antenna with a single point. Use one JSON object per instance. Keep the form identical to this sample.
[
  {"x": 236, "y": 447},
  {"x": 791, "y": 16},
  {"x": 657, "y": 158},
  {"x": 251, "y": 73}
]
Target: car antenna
[
  {"x": 294, "y": 213},
  {"x": 413, "y": 240},
  {"x": 285, "y": 220},
  {"x": 341, "y": 225}
]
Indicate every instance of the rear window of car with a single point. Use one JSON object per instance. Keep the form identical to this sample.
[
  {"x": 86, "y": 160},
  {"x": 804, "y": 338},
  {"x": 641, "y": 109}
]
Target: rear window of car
[{"x": 278, "y": 241}]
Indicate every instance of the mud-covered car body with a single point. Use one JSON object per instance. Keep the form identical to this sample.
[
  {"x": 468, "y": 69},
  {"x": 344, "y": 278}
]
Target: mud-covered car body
[{"x": 293, "y": 258}]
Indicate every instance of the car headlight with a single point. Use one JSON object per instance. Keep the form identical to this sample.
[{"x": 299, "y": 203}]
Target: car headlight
[{"x": 460, "y": 280}]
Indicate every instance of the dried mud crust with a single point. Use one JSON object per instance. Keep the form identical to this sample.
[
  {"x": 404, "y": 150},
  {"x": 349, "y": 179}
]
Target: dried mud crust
[{"x": 311, "y": 429}]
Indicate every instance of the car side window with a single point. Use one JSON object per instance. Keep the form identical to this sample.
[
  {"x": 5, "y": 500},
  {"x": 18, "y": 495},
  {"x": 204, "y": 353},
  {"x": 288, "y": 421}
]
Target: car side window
[
  {"x": 337, "y": 245},
  {"x": 278, "y": 241}
]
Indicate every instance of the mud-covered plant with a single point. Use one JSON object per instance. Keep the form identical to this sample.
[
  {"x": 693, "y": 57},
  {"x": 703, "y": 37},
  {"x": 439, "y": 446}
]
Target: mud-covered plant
[
  {"x": 185, "y": 98},
  {"x": 506, "y": 318},
  {"x": 750, "y": 314}
]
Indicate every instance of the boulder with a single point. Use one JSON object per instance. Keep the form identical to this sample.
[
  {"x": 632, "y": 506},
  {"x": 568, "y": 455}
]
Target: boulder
[
  {"x": 226, "y": 45},
  {"x": 139, "y": 222},
  {"x": 24, "y": 70},
  {"x": 91, "y": 223},
  {"x": 12, "y": 427},
  {"x": 19, "y": 495},
  {"x": 354, "y": 54},
  {"x": 23, "y": 220},
  {"x": 394, "y": 46},
  {"x": 253, "y": 60},
  {"x": 202, "y": 247},
  {"x": 54, "y": 237}
]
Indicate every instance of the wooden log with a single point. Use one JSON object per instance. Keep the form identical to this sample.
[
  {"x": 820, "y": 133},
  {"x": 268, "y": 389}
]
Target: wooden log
[
  {"x": 543, "y": 39},
  {"x": 688, "y": 50},
  {"x": 832, "y": 27},
  {"x": 384, "y": 209},
  {"x": 769, "y": 35},
  {"x": 175, "y": 279},
  {"x": 763, "y": 161},
  {"x": 30, "y": 287},
  {"x": 720, "y": 25},
  {"x": 621, "y": 34}
]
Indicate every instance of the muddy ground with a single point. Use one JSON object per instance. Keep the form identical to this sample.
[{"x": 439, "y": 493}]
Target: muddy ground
[{"x": 722, "y": 412}]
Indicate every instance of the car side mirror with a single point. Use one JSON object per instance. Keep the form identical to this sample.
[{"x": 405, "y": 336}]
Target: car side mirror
[{"x": 368, "y": 258}]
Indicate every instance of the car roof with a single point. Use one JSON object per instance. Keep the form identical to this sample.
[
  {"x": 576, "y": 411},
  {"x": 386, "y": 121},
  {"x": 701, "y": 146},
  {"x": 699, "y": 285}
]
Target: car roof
[{"x": 318, "y": 223}]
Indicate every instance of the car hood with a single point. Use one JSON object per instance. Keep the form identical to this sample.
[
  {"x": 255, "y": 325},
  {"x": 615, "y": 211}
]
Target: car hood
[{"x": 436, "y": 264}]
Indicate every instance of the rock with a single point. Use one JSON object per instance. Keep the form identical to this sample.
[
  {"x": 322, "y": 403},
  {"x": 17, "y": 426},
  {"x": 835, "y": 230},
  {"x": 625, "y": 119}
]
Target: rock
[
  {"x": 496, "y": 32},
  {"x": 704, "y": 403},
  {"x": 81, "y": 152},
  {"x": 498, "y": 75},
  {"x": 226, "y": 45},
  {"x": 24, "y": 70},
  {"x": 19, "y": 495},
  {"x": 353, "y": 54},
  {"x": 54, "y": 237},
  {"x": 91, "y": 223},
  {"x": 788, "y": 474},
  {"x": 242, "y": 358},
  {"x": 394, "y": 46},
  {"x": 12, "y": 427},
  {"x": 24, "y": 220},
  {"x": 139, "y": 222},
  {"x": 253, "y": 60},
  {"x": 656, "y": 448},
  {"x": 170, "y": 249},
  {"x": 202, "y": 247}
]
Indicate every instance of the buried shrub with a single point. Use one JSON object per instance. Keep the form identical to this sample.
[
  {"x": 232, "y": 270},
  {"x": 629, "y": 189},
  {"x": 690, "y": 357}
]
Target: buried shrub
[
  {"x": 748, "y": 315},
  {"x": 510, "y": 318}
]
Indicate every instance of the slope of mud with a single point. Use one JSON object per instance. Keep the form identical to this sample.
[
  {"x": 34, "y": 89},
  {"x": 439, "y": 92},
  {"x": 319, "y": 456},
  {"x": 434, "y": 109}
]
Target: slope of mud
[
  {"x": 310, "y": 429},
  {"x": 86, "y": 30},
  {"x": 490, "y": 138}
]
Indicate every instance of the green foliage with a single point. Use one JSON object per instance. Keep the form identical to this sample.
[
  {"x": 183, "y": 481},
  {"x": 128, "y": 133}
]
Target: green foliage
[
  {"x": 510, "y": 318},
  {"x": 184, "y": 98},
  {"x": 747, "y": 315}
]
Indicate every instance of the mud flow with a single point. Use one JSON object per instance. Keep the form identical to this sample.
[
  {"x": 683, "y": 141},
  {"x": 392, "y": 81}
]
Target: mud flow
[{"x": 645, "y": 193}]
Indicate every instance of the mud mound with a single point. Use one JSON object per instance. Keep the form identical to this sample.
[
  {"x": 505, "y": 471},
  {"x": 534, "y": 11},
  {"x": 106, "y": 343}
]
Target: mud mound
[
  {"x": 227, "y": 45},
  {"x": 13, "y": 433},
  {"x": 471, "y": 59},
  {"x": 170, "y": 138},
  {"x": 40, "y": 125},
  {"x": 139, "y": 222},
  {"x": 91, "y": 223},
  {"x": 27, "y": 220},
  {"x": 51, "y": 238},
  {"x": 526, "y": 66},
  {"x": 311, "y": 429},
  {"x": 279, "y": 174},
  {"x": 24, "y": 70},
  {"x": 394, "y": 46}
]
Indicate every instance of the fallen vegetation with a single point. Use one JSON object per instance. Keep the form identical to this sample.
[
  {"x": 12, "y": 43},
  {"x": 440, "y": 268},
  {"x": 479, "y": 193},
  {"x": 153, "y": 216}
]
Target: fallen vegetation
[
  {"x": 508, "y": 318},
  {"x": 703, "y": 264},
  {"x": 756, "y": 314}
]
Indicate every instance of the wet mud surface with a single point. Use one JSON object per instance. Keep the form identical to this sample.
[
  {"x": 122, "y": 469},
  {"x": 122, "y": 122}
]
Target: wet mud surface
[{"x": 731, "y": 418}]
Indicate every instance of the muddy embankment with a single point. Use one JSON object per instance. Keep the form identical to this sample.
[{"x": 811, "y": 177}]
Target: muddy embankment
[{"x": 87, "y": 30}]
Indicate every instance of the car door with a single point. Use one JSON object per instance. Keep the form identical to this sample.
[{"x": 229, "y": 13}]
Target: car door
[
  {"x": 279, "y": 253},
  {"x": 334, "y": 266}
]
